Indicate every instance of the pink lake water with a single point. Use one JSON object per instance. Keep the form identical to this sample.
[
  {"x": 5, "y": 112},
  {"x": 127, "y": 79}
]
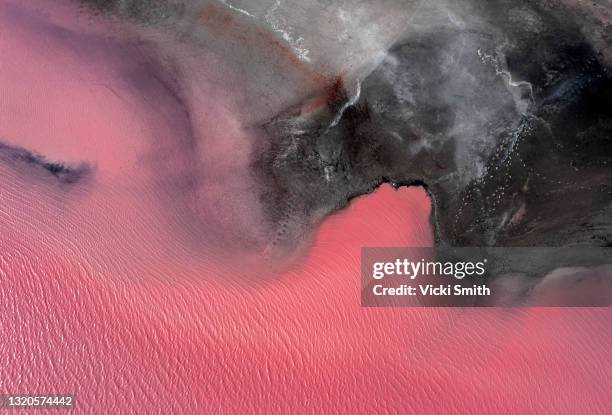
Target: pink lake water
[{"x": 109, "y": 291}]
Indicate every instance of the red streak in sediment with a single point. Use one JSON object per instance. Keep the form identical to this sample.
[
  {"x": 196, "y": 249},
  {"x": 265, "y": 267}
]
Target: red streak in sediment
[
  {"x": 326, "y": 89},
  {"x": 297, "y": 344},
  {"x": 221, "y": 22}
]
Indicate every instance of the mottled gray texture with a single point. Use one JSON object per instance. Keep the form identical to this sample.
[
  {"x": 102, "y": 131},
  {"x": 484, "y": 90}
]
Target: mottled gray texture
[
  {"x": 501, "y": 109},
  {"x": 506, "y": 120}
]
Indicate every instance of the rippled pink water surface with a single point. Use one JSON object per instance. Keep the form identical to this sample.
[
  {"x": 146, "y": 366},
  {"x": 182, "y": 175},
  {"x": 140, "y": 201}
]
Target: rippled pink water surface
[{"x": 110, "y": 291}]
